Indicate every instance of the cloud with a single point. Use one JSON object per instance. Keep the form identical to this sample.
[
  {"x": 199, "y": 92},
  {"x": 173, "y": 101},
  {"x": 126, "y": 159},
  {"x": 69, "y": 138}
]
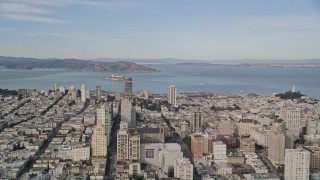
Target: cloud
[
  {"x": 74, "y": 35},
  {"x": 21, "y": 8},
  {"x": 39, "y": 11},
  {"x": 4, "y": 29},
  {"x": 27, "y": 12},
  {"x": 33, "y": 18},
  {"x": 113, "y": 4},
  {"x": 286, "y": 23}
]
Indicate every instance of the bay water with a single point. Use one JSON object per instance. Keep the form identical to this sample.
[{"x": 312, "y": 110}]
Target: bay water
[{"x": 187, "y": 78}]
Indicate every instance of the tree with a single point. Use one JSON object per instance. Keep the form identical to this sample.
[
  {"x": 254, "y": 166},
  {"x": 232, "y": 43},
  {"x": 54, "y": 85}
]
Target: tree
[
  {"x": 138, "y": 178},
  {"x": 280, "y": 170},
  {"x": 187, "y": 142},
  {"x": 290, "y": 95}
]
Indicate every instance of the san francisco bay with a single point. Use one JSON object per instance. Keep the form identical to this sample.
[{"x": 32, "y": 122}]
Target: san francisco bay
[{"x": 187, "y": 78}]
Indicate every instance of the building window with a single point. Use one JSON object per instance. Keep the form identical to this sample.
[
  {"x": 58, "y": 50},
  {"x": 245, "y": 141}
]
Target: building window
[{"x": 149, "y": 153}]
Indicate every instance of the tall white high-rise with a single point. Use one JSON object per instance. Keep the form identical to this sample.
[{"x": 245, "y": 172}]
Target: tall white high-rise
[
  {"x": 99, "y": 142},
  {"x": 83, "y": 93},
  {"x": 122, "y": 144},
  {"x": 146, "y": 94},
  {"x": 128, "y": 144},
  {"x": 128, "y": 112},
  {"x": 292, "y": 120},
  {"x": 104, "y": 115},
  {"x": 297, "y": 164},
  {"x": 172, "y": 93}
]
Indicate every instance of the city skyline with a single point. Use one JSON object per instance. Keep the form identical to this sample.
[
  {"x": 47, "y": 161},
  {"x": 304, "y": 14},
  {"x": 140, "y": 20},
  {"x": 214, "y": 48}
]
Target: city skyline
[
  {"x": 206, "y": 30},
  {"x": 125, "y": 137}
]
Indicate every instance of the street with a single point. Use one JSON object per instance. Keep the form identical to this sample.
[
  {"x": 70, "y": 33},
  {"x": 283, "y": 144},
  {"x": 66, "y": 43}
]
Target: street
[{"x": 112, "y": 149}]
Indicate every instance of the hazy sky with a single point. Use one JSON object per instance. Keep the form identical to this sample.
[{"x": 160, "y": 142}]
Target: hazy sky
[{"x": 186, "y": 29}]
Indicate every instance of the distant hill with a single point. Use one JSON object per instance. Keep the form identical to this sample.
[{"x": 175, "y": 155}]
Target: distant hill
[
  {"x": 196, "y": 64},
  {"x": 270, "y": 65},
  {"x": 118, "y": 66},
  {"x": 72, "y": 64}
]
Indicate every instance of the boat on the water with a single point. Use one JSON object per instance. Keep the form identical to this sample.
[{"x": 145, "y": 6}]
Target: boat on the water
[{"x": 115, "y": 78}]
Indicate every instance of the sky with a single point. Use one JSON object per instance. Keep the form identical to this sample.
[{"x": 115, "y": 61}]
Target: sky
[{"x": 182, "y": 29}]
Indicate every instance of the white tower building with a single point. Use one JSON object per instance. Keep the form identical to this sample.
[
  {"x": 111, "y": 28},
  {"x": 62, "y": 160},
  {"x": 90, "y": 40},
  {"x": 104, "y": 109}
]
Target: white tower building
[
  {"x": 292, "y": 120},
  {"x": 104, "y": 115},
  {"x": 99, "y": 141},
  {"x": 297, "y": 164},
  {"x": 83, "y": 93},
  {"x": 172, "y": 93}
]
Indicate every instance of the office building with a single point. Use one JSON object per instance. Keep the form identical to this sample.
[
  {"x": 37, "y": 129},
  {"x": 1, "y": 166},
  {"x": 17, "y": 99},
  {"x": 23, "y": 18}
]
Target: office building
[
  {"x": 128, "y": 112},
  {"x": 105, "y": 115},
  {"x": 83, "y": 93},
  {"x": 146, "y": 94},
  {"x": 72, "y": 88},
  {"x": 150, "y": 135},
  {"x": 87, "y": 94},
  {"x": 219, "y": 150},
  {"x": 196, "y": 121},
  {"x": 224, "y": 128},
  {"x": 207, "y": 143},
  {"x": 297, "y": 162},
  {"x": 62, "y": 90},
  {"x": 314, "y": 156},
  {"x": 222, "y": 168},
  {"x": 292, "y": 120},
  {"x": 134, "y": 146},
  {"x": 261, "y": 136},
  {"x": 172, "y": 93},
  {"x": 128, "y": 87},
  {"x": 278, "y": 126},
  {"x": 122, "y": 144},
  {"x": 262, "y": 176},
  {"x": 183, "y": 169},
  {"x": 197, "y": 146},
  {"x": 134, "y": 168},
  {"x": 276, "y": 148},
  {"x": 128, "y": 144},
  {"x": 313, "y": 126},
  {"x": 247, "y": 145},
  {"x": 161, "y": 155},
  {"x": 99, "y": 142},
  {"x": 184, "y": 128},
  {"x": 246, "y": 126},
  {"x": 32, "y": 92},
  {"x": 53, "y": 87},
  {"x": 289, "y": 139},
  {"x": 80, "y": 153},
  {"x": 22, "y": 92},
  {"x": 98, "y": 93}
]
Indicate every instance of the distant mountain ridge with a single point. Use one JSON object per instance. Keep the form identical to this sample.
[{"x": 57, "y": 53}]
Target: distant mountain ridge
[
  {"x": 270, "y": 65},
  {"x": 72, "y": 64}
]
